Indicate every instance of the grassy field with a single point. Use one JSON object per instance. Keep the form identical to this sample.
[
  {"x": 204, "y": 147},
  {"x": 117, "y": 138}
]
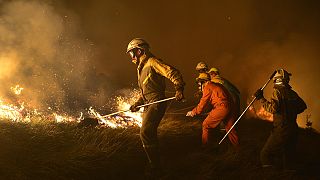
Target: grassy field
[{"x": 65, "y": 151}]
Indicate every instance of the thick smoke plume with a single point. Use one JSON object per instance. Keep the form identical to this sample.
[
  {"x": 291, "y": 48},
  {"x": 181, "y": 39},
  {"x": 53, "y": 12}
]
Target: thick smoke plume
[{"x": 45, "y": 52}]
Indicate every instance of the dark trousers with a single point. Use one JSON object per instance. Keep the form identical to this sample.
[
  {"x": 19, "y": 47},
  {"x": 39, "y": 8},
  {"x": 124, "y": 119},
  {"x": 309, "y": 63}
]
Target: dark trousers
[
  {"x": 279, "y": 150},
  {"x": 150, "y": 122},
  {"x": 148, "y": 134}
]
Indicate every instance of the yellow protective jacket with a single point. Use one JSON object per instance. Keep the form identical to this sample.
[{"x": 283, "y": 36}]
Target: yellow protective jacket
[
  {"x": 285, "y": 105},
  {"x": 151, "y": 78}
]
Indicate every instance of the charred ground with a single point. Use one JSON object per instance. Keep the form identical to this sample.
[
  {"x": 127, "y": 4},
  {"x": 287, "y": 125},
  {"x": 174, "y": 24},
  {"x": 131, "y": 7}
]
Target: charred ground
[{"x": 65, "y": 151}]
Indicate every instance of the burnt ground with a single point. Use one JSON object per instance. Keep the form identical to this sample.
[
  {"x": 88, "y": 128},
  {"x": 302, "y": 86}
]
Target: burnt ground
[{"x": 65, "y": 151}]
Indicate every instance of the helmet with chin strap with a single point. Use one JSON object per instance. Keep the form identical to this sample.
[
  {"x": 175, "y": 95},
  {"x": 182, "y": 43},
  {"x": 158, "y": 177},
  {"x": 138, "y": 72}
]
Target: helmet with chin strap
[
  {"x": 201, "y": 66},
  {"x": 137, "y": 43},
  {"x": 281, "y": 77},
  {"x": 215, "y": 70},
  {"x": 203, "y": 77}
]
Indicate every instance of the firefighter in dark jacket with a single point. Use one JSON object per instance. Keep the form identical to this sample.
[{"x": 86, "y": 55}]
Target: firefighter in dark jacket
[
  {"x": 151, "y": 80},
  {"x": 285, "y": 105}
]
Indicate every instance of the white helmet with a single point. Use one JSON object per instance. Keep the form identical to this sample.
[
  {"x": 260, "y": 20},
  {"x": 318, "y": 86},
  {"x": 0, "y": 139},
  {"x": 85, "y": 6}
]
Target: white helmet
[
  {"x": 202, "y": 66},
  {"x": 281, "y": 77},
  {"x": 137, "y": 43}
]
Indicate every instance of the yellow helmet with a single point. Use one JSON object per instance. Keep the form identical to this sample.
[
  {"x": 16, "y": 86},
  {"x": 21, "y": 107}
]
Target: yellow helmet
[
  {"x": 137, "y": 43},
  {"x": 203, "y": 77},
  {"x": 215, "y": 70}
]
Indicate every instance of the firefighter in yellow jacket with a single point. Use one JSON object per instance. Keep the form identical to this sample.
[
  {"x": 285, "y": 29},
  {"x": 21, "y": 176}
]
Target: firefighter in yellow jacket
[
  {"x": 151, "y": 80},
  {"x": 285, "y": 105}
]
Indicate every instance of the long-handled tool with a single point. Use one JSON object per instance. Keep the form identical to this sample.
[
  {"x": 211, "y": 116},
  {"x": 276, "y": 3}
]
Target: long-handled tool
[
  {"x": 247, "y": 108},
  {"x": 144, "y": 105}
]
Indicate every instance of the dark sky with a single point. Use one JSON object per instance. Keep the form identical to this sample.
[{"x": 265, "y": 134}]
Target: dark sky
[
  {"x": 246, "y": 39},
  {"x": 243, "y": 38}
]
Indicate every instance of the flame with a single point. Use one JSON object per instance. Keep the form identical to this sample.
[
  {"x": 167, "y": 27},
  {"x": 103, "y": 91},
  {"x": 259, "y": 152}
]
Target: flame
[
  {"x": 260, "y": 113},
  {"x": 65, "y": 118},
  {"x": 265, "y": 115},
  {"x": 17, "y": 89},
  {"x": 11, "y": 112},
  {"x": 123, "y": 119},
  {"x": 22, "y": 113}
]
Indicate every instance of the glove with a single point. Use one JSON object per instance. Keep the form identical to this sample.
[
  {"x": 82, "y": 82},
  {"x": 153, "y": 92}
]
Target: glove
[
  {"x": 190, "y": 114},
  {"x": 259, "y": 94},
  {"x": 134, "y": 108},
  {"x": 179, "y": 95}
]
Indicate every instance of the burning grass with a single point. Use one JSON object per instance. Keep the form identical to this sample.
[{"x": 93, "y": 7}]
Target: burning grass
[{"x": 51, "y": 150}]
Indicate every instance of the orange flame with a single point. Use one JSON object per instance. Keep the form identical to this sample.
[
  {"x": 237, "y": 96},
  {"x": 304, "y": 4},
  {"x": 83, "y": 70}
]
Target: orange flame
[
  {"x": 265, "y": 115},
  {"x": 17, "y": 89},
  {"x": 21, "y": 113},
  {"x": 124, "y": 119}
]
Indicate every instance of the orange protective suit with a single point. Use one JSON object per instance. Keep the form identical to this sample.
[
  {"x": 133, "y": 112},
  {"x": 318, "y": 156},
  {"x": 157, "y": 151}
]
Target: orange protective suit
[{"x": 222, "y": 110}]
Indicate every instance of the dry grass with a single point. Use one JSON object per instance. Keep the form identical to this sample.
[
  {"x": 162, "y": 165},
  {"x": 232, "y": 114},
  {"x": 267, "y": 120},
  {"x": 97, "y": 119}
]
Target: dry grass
[{"x": 64, "y": 151}]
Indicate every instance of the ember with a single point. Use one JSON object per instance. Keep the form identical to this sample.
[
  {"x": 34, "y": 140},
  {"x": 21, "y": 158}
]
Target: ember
[
  {"x": 17, "y": 89},
  {"x": 126, "y": 119},
  {"x": 22, "y": 113}
]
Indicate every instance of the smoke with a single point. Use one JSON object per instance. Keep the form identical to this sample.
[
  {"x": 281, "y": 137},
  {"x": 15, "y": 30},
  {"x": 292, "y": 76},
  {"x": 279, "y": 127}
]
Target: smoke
[
  {"x": 44, "y": 52},
  {"x": 247, "y": 40},
  {"x": 298, "y": 55},
  {"x": 46, "y": 42}
]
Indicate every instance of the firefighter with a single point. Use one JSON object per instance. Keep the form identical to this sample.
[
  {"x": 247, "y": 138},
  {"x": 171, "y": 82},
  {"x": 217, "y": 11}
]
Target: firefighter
[
  {"x": 202, "y": 67},
  {"x": 233, "y": 90},
  {"x": 235, "y": 94},
  {"x": 285, "y": 105},
  {"x": 151, "y": 73},
  {"x": 218, "y": 97}
]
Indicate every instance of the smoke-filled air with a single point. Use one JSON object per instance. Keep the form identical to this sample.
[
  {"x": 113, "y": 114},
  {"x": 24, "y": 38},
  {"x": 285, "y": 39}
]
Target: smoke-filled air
[
  {"x": 46, "y": 60},
  {"x": 69, "y": 91},
  {"x": 69, "y": 55}
]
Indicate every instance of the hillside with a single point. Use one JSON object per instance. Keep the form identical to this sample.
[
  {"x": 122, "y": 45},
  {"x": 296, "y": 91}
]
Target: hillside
[{"x": 65, "y": 151}]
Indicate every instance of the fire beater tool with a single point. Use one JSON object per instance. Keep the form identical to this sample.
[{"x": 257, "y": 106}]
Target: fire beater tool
[
  {"x": 247, "y": 108},
  {"x": 144, "y": 105}
]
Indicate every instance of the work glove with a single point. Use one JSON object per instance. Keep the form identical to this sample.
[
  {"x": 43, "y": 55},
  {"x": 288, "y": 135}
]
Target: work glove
[
  {"x": 190, "y": 114},
  {"x": 179, "y": 95},
  {"x": 259, "y": 94},
  {"x": 134, "y": 108}
]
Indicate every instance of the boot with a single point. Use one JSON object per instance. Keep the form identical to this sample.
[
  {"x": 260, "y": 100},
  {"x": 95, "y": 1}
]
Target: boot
[{"x": 153, "y": 169}]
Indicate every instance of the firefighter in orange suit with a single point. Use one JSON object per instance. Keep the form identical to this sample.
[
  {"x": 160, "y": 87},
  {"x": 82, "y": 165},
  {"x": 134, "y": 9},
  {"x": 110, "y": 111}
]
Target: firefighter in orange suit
[
  {"x": 218, "y": 97},
  {"x": 235, "y": 94},
  {"x": 151, "y": 80}
]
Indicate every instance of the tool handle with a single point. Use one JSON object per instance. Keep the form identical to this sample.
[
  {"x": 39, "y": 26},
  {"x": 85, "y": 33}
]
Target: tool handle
[
  {"x": 144, "y": 105},
  {"x": 246, "y": 108}
]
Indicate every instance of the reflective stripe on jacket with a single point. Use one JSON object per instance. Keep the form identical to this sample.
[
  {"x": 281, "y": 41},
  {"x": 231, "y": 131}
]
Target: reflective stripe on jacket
[{"x": 151, "y": 73}]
